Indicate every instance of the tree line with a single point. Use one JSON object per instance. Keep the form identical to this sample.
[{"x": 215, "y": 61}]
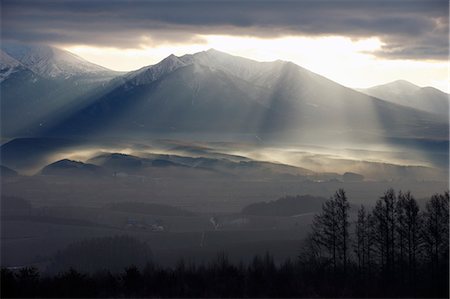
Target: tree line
[{"x": 394, "y": 249}]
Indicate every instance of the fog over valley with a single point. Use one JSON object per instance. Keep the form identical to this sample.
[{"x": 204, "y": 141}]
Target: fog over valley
[{"x": 227, "y": 153}]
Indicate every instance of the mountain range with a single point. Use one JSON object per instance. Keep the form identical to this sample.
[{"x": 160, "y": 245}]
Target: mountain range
[
  {"x": 48, "y": 92},
  {"x": 210, "y": 95}
]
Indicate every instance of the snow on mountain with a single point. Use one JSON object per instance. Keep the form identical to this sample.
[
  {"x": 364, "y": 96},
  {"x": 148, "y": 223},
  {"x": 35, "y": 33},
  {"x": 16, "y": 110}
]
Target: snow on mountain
[
  {"x": 216, "y": 93},
  {"x": 246, "y": 69},
  {"x": 7, "y": 61},
  {"x": 38, "y": 80},
  {"x": 8, "y": 65},
  {"x": 51, "y": 62},
  {"x": 208, "y": 92},
  {"x": 237, "y": 66},
  {"x": 151, "y": 73}
]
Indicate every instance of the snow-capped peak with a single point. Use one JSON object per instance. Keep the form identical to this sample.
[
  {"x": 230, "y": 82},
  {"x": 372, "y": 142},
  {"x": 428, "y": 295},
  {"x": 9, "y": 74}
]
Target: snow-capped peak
[
  {"x": 243, "y": 68},
  {"x": 52, "y": 62},
  {"x": 7, "y": 61},
  {"x": 246, "y": 69},
  {"x": 151, "y": 73},
  {"x": 169, "y": 64},
  {"x": 8, "y": 65}
]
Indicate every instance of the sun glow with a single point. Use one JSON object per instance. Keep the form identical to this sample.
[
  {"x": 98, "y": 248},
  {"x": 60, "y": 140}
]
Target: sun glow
[{"x": 349, "y": 62}]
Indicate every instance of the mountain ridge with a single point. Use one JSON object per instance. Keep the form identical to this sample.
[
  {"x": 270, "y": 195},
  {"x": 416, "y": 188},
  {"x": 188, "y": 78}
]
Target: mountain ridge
[
  {"x": 38, "y": 81},
  {"x": 407, "y": 94},
  {"x": 53, "y": 62},
  {"x": 229, "y": 97},
  {"x": 214, "y": 90}
]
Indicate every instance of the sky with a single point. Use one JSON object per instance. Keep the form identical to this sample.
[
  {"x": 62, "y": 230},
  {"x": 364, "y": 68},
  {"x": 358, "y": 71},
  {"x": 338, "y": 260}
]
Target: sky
[{"x": 356, "y": 43}]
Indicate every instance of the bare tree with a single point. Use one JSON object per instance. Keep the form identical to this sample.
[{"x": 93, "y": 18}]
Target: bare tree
[
  {"x": 342, "y": 209},
  {"x": 408, "y": 222},
  {"x": 331, "y": 229},
  {"x": 362, "y": 246},
  {"x": 436, "y": 229},
  {"x": 384, "y": 229},
  {"x": 325, "y": 230}
]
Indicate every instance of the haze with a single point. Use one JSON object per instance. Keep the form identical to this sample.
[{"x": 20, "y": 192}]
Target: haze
[{"x": 224, "y": 149}]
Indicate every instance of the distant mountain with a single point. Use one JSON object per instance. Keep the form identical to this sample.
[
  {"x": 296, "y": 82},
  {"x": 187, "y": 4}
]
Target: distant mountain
[
  {"x": 119, "y": 162},
  {"x": 215, "y": 94},
  {"x": 38, "y": 82},
  {"x": 31, "y": 153},
  {"x": 52, "y": 62},
  {"x": 67, "y": 167},
  {"x": 207, "y": 96},
  {"x": 407, "y": 94},
  {"x": 249, "y": 70},
  {"x": 247, "y": 168},
  {"x": 352, "y": 177},
  {"x": 7, "y": 172},
  {"x": 183, "y": 166}
]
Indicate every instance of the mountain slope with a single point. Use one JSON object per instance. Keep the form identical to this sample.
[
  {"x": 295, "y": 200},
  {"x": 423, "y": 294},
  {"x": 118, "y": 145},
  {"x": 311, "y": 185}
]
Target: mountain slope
[
  {"x": 67, "y": 167},
  {"x": 7, "y": 172},
  {"x": 405, "y": 93},
  {"x": 52, "y": 62},
  {"x": 215, "y": 94},
  {"x": 37, "y": 81},
  {"x": 8, "y": 65}
]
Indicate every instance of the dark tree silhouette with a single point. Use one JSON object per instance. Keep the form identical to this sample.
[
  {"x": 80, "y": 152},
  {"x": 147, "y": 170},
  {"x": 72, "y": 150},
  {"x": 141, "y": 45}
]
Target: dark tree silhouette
[
  {"x": 132, "y": 281},
  {"x": 28, "y": 281},
  {"x": 435, "y": 230},
  {"x": 8, "y": 284},
  {"x": 363, "y": 245},
  {"x": 330, "y": 229},
  {"x": 342, "y": 207},
  {"x": 73, "y": 284},
  {"x": 409, "y": 222},
  {"x": 325, "y": 231},
  {"x": 384, "y": 231},
  {"x": 399, "y": 252},
  {"x": 435, "y": 234}
]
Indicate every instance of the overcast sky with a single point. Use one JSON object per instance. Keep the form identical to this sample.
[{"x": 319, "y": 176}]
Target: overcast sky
[{"x": 356, "y": 43}]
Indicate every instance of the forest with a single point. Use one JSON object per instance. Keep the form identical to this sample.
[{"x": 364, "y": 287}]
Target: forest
[{"x": 397, "y": 248}]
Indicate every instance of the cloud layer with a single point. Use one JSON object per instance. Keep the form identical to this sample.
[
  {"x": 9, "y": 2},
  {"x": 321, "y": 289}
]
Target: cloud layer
[{"x": 409, "y": 29}]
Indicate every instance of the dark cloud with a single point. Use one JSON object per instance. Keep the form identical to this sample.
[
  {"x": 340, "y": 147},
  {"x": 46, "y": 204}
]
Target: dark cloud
[{"x": 409, "y": 28}]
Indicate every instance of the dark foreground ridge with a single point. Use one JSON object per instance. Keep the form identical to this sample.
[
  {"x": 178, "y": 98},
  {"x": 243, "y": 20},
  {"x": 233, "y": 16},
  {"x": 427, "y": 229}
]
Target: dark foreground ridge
[{"x": 394, "y": 250}]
